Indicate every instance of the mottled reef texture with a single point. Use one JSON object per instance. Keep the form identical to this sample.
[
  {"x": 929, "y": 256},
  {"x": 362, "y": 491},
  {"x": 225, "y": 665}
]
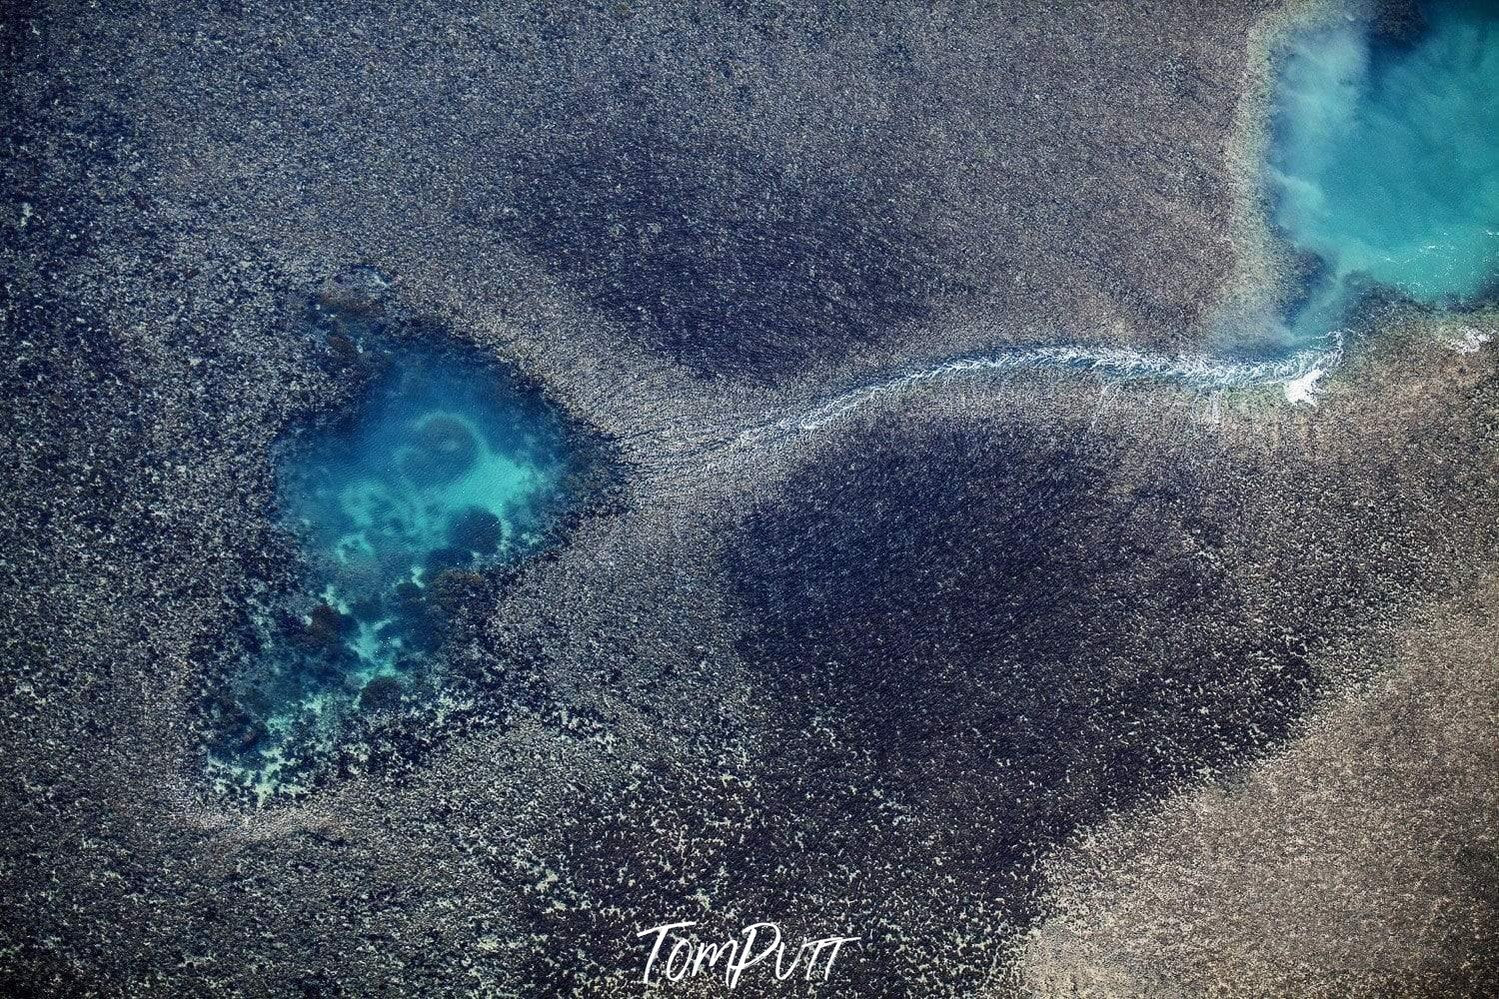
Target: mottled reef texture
[{"x": 1043, "y": 692}]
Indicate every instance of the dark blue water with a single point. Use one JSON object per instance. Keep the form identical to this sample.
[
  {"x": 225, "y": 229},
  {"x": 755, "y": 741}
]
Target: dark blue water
[
  {"x": 1385, "y": 160},
  {"x": 446, "y": 467}
]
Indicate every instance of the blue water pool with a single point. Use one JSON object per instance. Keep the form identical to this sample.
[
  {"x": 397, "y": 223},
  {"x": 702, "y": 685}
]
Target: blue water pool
[
  {"x": 445, "y": 466},
  {"x": 446, "y": 469},
  {"x": 1384, "y": 164}
]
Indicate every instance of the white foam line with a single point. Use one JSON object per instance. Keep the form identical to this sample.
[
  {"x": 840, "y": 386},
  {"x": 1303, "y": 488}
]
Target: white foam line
[{"x": 1297, "y": 373}]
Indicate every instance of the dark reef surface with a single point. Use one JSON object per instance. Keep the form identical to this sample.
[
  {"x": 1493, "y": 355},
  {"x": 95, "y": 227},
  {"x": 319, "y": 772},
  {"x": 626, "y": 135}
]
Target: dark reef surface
[{"x": 976, "y": 670}]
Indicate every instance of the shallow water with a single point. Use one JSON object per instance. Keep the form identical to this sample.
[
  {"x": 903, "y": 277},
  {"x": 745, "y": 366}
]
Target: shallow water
[
  {"x": 446, "y": 466},
  {"x": 1384, "y": 165}
]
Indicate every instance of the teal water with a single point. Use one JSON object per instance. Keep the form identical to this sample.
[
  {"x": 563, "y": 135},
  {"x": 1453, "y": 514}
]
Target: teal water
[
  {"x": 1384, "y": 164},
  {"x": 445, "y": 467}
]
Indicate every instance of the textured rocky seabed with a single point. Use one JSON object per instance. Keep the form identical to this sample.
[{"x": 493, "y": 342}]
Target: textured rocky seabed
[{"x": 486, "y": 479}]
